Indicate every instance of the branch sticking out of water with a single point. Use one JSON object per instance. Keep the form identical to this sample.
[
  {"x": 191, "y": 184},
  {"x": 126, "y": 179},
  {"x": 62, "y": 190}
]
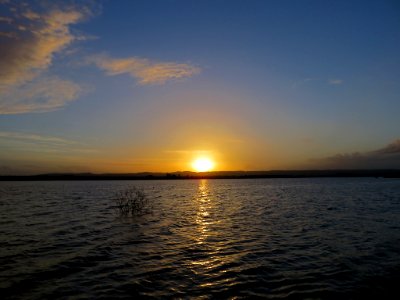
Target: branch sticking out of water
[{"x": 132, "y": 201}]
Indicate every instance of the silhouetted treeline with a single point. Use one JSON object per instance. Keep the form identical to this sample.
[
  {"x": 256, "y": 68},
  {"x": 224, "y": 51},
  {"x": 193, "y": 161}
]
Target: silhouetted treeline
[{"x": 209, "y": 175}]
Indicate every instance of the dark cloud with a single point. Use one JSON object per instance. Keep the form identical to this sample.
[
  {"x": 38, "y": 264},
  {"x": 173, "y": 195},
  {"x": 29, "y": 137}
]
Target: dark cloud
[
  {"x": 391, "y": 149},
  {"x": 387, "y": 157}
]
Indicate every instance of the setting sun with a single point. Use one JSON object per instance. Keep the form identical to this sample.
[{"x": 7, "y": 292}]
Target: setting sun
[{"x": 203, "y": 164}]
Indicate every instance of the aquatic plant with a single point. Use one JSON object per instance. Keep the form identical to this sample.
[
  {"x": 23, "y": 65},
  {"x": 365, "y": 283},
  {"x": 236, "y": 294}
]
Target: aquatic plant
[{"x": 132, "y": 201}]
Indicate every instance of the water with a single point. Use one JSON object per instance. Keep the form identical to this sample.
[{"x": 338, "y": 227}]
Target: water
[{"x": 273, "y": 238}]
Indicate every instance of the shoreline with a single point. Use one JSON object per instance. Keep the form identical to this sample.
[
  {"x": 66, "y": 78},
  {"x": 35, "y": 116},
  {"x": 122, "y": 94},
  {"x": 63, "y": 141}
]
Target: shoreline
[{"x": 387, "y": 173}]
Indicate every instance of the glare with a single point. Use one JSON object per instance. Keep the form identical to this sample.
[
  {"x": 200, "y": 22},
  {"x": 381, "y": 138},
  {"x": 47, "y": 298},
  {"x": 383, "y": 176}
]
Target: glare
[{"x": 203, "y": 164}]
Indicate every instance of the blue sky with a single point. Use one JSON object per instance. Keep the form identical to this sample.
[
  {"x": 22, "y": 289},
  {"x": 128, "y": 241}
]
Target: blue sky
[{"x": 128, "y": 86}]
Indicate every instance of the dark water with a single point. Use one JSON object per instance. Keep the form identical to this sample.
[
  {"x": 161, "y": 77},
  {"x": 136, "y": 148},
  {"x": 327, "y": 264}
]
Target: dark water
[{"x": 271, "y": 238}]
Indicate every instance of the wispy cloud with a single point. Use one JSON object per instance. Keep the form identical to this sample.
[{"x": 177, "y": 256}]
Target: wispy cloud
[
  {"x": 178, "y": 151},
  {"x": 144, "y": 70},
  {"x": 307, "y": 81},
  {"x": 43, "y": 143},
  {"x": 335, "y": 81},
  {"x": 183, "y": 151},
  {"x": 386, "y": 157},
  {"x": 35, "y": 138},
  {"x": 42, "y": 94},
  {"x": 30, "y": 40},
  {"x": 301, "y": 82}
]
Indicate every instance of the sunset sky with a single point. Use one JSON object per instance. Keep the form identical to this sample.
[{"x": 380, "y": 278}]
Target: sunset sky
[{"x": 132, "y": 86}]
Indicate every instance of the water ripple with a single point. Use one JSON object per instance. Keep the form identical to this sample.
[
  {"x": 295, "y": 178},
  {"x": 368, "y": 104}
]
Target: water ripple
[{"x": 264, "y": 238}]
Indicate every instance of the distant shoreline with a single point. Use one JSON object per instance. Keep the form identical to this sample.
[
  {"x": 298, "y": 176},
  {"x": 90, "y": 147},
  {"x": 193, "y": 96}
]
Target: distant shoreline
[{"x": 387, "y": 173}]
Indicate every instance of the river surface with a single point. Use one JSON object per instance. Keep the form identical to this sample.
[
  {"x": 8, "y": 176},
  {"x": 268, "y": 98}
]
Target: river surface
[{"x": 321, "y": 238}]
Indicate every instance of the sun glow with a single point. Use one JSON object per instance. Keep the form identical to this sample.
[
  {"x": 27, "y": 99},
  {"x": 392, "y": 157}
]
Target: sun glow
[{"x": 203, "y": 164}]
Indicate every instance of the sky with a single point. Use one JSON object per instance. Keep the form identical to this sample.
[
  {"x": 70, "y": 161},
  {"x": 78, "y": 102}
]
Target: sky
[{"x": 135, "y": 86}]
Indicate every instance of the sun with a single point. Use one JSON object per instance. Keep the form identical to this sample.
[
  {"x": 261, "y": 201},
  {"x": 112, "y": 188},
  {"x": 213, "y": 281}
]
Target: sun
[{"x": 203, "y": 164}]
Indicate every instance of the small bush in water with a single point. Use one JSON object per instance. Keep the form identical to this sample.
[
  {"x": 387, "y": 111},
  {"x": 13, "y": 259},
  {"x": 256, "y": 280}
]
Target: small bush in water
[{"x": 132, "y": 201}]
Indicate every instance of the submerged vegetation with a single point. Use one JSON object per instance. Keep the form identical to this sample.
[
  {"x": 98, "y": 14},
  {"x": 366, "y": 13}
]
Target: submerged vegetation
[{"x": 132, "y": 201}]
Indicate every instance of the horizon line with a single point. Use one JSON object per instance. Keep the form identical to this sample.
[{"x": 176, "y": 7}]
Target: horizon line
[{"x": 395, "y": 172}]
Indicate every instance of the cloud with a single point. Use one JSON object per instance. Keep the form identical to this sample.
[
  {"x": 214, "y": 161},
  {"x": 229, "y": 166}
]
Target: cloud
[
  {"x": 35, "y": 138},
  {"x": 387, "y": 157},
  {"x": 32, "y": 40},
  {"x": 31, "y": 142},
  {"x": 43, "y": 94},
  {"x": 301, "y": 82},
  {"x": 391, "y": 149},
  {"x": 307, "y": 81},
  {"x": 335, "y": 81},
  {"x": 29, "y": 42},
  {"x": 23, "y": 153},
  {"x": 144, "y": 70}
]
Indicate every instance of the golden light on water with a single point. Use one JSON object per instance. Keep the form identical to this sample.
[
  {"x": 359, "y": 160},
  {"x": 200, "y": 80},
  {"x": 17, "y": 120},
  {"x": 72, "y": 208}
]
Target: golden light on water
[{"x": 203, "y": 164}]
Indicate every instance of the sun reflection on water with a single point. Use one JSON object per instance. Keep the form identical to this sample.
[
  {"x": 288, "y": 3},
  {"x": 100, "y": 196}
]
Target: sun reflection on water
[
  {"x": 206, "y": 234},
  {"x": 203, "y": 217}
]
